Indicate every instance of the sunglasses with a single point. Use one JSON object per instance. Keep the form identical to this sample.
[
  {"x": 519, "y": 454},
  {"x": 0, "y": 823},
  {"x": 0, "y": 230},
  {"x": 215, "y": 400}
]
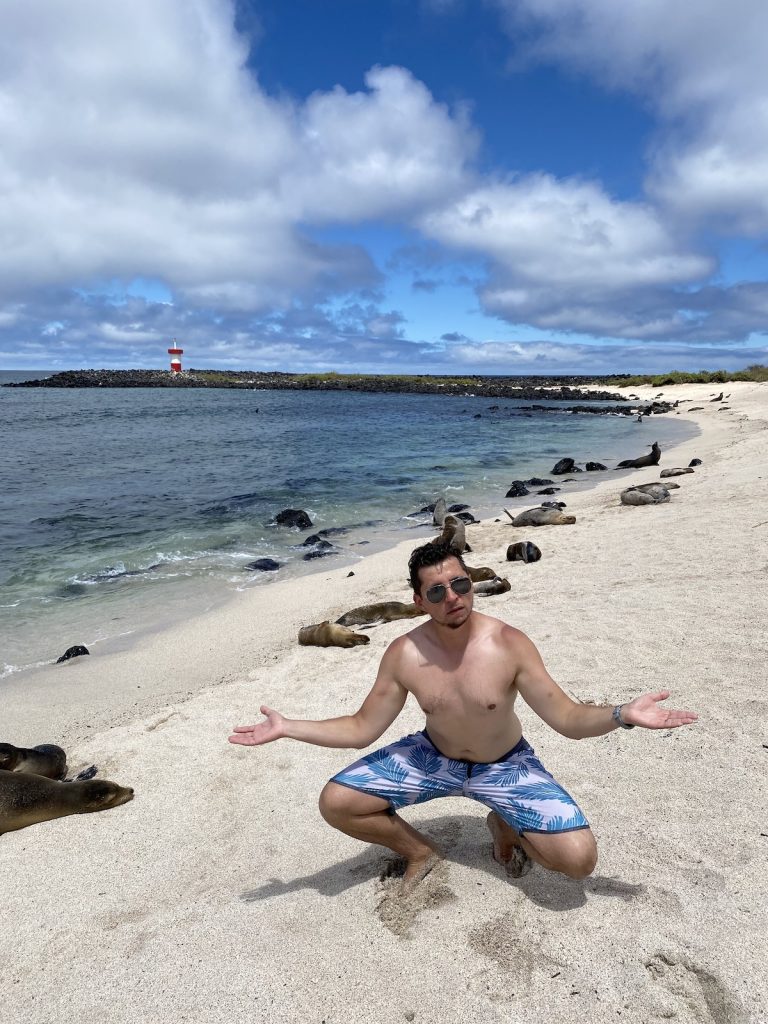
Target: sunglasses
[{"x": 461, "y": 585}]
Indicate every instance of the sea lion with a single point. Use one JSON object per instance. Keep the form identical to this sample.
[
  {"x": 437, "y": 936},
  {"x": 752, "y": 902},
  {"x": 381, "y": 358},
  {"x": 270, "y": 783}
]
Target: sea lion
[
  {"x": 648, "y": 494},
  {"x": 651, "y": 459},
  {"x": 454, "y": 534},
  {"x": 73, "y": 652},
  {"x": 481, "y": 572},
  {"x": 386, "y": 611},
  {"x": 675, "y": 472},
  {"x": 695, "y": 462},
  {"x": 330, "y": 634},
  {"x": 543, "y": 517},
  {"x": 28, "y": 799},
  {"x": 47, "y": 760},
  {"x": 438, "y": 514},
  {"x": 523, "y": 551},
  {"x": 498, "y": 585}
]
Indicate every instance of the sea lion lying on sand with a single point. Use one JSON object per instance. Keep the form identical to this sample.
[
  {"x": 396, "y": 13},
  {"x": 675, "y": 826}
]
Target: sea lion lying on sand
[
  {"x": 648, "y": 494},
  {"x": 482, "y": 572},
  {"x": 28, "y": 799},
  {"x": 543, "y": 517},
  {"x": 47, "y": 760},
  {"x": 386, "y": 611},
  {"x": 523, "y": 551},
  {"x": 651, "y": 459},
  {"x": 675, "y": 472},
  {"x": 330, "y": 634},
  {"x": 499, "y": 585}
]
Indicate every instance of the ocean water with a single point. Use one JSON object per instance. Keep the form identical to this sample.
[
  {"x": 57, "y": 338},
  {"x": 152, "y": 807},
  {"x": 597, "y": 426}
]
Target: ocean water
[{"x": 123, "y": 510}]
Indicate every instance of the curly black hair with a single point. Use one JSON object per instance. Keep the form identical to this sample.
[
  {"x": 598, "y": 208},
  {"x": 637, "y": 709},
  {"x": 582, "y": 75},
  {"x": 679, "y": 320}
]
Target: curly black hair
[{"x": 432, "y": 553}]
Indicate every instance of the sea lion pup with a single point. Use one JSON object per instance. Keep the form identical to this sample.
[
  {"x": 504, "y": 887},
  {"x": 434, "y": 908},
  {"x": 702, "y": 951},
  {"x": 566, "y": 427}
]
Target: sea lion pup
[
  {"x": 651, "y": 459},
  {"x": 454, "y": 534},
  {"x": 386, "y": 611},
  {"x": 438, "y": 515},
  {"x": 646, "y": 494},
  {"x": 523, "y": 551},
  {"x": 47, "y": 760},
  {"x": 28, "y": 799},
  {"x": 675, "y": 472},
  {"x": 543, "y": 517},
  {"x": 498, "y": 585},
  {"x": 330, "y": 634}
]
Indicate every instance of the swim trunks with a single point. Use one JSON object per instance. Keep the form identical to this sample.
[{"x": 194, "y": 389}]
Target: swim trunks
[{"x": 518, "y": 786}]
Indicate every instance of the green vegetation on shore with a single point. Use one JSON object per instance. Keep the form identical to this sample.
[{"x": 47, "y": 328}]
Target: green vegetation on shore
[{"x": 756, "y": 372}]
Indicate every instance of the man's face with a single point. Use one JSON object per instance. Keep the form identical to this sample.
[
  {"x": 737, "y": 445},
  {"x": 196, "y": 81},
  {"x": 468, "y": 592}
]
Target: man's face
[{"x": 454, "y": 610}]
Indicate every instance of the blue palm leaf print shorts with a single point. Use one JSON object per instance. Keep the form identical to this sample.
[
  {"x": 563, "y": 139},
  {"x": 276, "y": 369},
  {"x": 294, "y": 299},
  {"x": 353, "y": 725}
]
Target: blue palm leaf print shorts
[{"x": 518, "y": 786}]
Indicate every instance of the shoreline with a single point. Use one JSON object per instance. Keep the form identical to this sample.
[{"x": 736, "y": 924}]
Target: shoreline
[
  {"x": 223, "y": 847},
  {"x": 211, "y": 597}
]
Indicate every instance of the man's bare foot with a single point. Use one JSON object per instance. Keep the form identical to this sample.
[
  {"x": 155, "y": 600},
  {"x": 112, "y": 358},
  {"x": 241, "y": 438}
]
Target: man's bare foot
[
  {"x": 507, "y": 850},
  {"x": 418, "y": 869}
]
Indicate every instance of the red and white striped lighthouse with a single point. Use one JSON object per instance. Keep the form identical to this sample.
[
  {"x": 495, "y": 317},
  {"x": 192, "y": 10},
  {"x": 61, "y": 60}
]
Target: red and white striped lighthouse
[{"x": 175, "y": 353}]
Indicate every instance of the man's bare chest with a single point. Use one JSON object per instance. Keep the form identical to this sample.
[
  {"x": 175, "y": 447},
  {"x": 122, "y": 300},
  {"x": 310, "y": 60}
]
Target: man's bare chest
[{"x": 462, "y": 692}]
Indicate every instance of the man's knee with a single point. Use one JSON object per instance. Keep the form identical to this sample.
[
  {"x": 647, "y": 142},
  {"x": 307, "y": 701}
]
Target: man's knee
[
  {"x": 582, "y": 859},
  {"x": 334, "y": 802}
]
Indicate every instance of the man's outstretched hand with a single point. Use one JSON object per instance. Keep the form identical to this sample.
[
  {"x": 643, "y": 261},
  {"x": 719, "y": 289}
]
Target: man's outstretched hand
[
  {"x": 272, "y": 728},
  {"x": 645, "y": 712}
]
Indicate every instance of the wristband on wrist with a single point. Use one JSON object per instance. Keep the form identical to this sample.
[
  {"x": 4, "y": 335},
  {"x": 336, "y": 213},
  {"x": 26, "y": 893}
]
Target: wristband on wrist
[{"x": 616, "y": 716}]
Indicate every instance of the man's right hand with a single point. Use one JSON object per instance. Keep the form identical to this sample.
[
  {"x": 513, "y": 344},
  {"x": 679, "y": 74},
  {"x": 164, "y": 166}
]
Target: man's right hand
[{"x": 272, "y": 728}]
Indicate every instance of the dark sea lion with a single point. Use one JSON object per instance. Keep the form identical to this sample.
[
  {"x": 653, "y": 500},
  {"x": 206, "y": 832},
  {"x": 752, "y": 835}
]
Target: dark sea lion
[
  {"x": 330, "y": 634},
  {"x": 47, "y": 760},
  {"x": 73, "y": 652},
  {"x": 28, "y": 799},
  {"x": 695, "y": 462},
  {"x": 498, "y": 585},
  {"x": 543, "y": 517},
  {"x": 523, "y": 551},
  {"x": 652, "y": 459},
  {"x": 675, "y": 472},
  {"x": 386, "y": 611}
]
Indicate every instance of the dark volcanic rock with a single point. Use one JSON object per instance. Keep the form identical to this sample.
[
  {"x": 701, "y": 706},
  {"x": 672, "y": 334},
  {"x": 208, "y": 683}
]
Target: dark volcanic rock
[
  {"x": 73, "y": 652},
  {"x": 562, "y": 467},
  {"x": 695, "y": 462},
  {"x": 553, "y": 504},
  {"x": 295, "y": 517},
  {"x": 457, "y": 508},
  {"x": 263, "y": 565},
  {"x": 538, "y": 481},
  {"x": 319, "y": 548},
  {"x": 548, "y": 490},
  {"x": 594, "y": 467},
  {"x": 517, "y": 489}
]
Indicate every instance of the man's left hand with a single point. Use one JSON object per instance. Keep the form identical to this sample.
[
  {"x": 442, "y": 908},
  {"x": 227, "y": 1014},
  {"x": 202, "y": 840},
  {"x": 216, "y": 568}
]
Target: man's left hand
[{"x": 645, "y": 712}]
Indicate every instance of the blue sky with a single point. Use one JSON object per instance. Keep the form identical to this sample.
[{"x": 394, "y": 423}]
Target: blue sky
[{"x": 491, "y": 186}]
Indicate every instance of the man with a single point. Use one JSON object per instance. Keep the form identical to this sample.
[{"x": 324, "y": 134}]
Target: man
[{"x": 465, "y": 669}]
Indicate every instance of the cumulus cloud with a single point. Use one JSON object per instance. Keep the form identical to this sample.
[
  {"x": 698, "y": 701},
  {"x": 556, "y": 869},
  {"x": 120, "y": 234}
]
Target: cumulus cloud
[
  {"x": 700, "y": 67},
  {"x": 137, "y": 143}
]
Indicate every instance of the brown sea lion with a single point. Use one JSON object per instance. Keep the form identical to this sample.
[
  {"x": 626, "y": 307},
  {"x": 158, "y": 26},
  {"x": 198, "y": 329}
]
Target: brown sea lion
[
  {"x": 543, "y": 517},
  {"x": 47, "y": 760},
  {"x": 330, "y": 634},
  {"x": 454, "y": 534},
  {"x": 651, "y": 459},
  {"x": 386, "y": 611},
  {"x": 438, "y": 514},
  {"x": 28, "y": 799},
  {"x": 675, "y": 472},
  {"x": 499, "y": 585},
  {"x": 481, "y": 572}
]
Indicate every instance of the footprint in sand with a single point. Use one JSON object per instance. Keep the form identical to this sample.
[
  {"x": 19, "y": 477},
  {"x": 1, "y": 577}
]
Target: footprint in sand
[
  {"x": 401, "y": 902},
  {"x": 702, "y": 993}
]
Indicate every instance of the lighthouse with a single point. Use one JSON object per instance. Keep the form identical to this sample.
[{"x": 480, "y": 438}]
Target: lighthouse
[{"x": 175, "y": 353}]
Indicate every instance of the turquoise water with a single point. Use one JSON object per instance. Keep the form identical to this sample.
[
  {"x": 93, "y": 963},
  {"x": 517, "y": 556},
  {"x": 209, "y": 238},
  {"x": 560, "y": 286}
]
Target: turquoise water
[{"x": 126, "y": 508}]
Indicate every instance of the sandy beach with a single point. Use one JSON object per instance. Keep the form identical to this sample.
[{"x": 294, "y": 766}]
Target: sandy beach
[{"x": 219, "y": 894}]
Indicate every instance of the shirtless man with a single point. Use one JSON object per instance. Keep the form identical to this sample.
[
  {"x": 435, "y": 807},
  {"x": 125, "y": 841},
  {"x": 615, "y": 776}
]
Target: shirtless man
[{"x": 465, "y": 669}]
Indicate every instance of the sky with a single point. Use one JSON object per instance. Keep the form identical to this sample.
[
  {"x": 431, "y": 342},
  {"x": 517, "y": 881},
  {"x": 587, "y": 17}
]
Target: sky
[{"x": 384, "y": 186}]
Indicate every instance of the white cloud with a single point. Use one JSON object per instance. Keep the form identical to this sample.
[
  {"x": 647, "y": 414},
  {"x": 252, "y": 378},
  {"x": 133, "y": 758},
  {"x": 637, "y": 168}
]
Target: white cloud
[{"x": 700, "y": 66}]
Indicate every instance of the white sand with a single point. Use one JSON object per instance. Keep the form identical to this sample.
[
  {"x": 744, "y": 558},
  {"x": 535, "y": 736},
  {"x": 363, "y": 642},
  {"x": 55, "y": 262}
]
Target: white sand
[{"x": 219, "y": 894}]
